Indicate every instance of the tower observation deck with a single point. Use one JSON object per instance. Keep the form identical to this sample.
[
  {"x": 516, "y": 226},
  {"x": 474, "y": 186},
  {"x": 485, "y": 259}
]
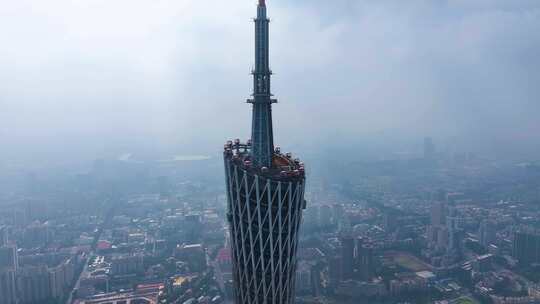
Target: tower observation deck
[{"x": 265, "y": 194}]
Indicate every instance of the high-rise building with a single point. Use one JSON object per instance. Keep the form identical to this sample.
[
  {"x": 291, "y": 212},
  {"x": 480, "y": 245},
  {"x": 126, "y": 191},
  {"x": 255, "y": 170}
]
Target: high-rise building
[
  {"x": 437, "y": 232},
  {"x": 455, "y": 233},
  {"x": 304, "y": 278},
  {"x": 527, "y": 245},
  {"x": 390, "y": 222},
  {"x": 325, "y": 216},
  {"x": 57, "y": 281},
  {"x": 487, "y": 233},
  {"x": 8, "y": 268},
  {"x": 265, "y": 192},
  {"x": 443, "y": 237},
  {"x": 37, "y": 235},
  {"x": 127, "y": 264},
  {"x": 338, "y": 213},
  {"x": 33, "y": 284},
  {"x": 3, "y": 235},
  {"x": 194, "y": 254},
  {"x": 438, "y": 214},
  {"x": 347, "y": 256},
  {"x": 431, "y": 234},
  {"x": 335, "y": 269},
  {"x": 365, "y": 259},
  {"x": 8, "y": 257},
  {"x": 8, "y": 293}
]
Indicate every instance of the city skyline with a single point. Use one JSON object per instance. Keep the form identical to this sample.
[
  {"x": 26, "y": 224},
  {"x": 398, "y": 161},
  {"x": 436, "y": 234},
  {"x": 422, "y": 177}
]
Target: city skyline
[{"x": 146, "y": 160}]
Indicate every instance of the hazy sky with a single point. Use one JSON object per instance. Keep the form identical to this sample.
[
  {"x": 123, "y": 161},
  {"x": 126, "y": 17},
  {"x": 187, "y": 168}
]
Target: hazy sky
[{"x": 101, "y": 77}]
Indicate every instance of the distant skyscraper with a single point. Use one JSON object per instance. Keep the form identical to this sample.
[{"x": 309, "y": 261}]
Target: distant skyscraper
[
  {"x": 265, "y": 191},
  {"x": 325, "y": 216},
  {"x": 527, "y": 245},
  {"x": 338, "y": 213},
  {"x": 347, "y": 257},
  {"x": 487, "y": 233},
  {"x": 442, "y": 237},
  {"x": 335, "y": 269},
  {"x": 33, "y": 284},
  {"x": 3, "y": 235},
  {"x": 365, "y": 259},
  {"x": 455, "y": 233},
  {"x": 389, "y": 221},
  {"x": 438, "y": 214},
  {"x": 8, "y": 293},
  {"x": 8, "y": 257},
  {"x": 304, "y": 278},
  {"x": 437, "y": 232},
  {"x": 8, "y": 268}
]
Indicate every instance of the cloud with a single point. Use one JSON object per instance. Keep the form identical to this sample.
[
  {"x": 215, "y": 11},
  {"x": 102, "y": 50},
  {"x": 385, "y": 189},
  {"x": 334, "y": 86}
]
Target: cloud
[{"x": 99, "y": 76}]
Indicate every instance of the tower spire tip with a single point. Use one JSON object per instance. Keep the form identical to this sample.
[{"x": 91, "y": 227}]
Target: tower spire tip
[{"x": 262, "y": 2}]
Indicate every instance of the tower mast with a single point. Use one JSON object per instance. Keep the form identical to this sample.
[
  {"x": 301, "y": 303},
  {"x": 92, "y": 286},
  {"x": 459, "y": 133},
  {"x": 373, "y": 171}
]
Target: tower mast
[{"x": 262, "y": 136}]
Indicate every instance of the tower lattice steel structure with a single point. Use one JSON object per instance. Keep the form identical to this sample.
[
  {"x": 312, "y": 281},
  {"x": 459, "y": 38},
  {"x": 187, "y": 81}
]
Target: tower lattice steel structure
[{"x": 265, "y": 192}]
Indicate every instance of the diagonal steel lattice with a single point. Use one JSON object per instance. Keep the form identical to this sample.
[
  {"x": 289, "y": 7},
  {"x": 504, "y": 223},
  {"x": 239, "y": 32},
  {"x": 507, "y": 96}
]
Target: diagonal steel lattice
[{"x": 264, "y": 217}]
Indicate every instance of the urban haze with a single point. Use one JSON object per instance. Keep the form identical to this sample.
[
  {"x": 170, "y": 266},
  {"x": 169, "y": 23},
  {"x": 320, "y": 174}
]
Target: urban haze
[{"x": 269, "y": 152}]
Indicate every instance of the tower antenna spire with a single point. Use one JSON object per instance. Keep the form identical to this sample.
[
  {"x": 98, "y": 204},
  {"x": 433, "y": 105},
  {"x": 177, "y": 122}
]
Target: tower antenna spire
[{"x": 262, "y": 136}]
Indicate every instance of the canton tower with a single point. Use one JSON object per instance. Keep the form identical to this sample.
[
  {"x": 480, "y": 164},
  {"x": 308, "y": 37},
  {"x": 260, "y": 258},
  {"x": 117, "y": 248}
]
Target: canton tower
[{"x": 265, "y": 193}]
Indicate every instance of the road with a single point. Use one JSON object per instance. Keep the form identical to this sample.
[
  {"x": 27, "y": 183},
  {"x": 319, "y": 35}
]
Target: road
[
  {"x": 108, "y": 218},
  {"x": 77, "y": 284}
]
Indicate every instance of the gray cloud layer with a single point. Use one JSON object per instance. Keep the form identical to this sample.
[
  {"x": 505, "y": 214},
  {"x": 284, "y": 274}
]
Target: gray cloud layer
[{"x": 93, "y": 77}]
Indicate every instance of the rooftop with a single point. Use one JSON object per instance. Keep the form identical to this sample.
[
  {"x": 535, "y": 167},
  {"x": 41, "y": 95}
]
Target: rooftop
[{"x": 426, "y": 274}]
